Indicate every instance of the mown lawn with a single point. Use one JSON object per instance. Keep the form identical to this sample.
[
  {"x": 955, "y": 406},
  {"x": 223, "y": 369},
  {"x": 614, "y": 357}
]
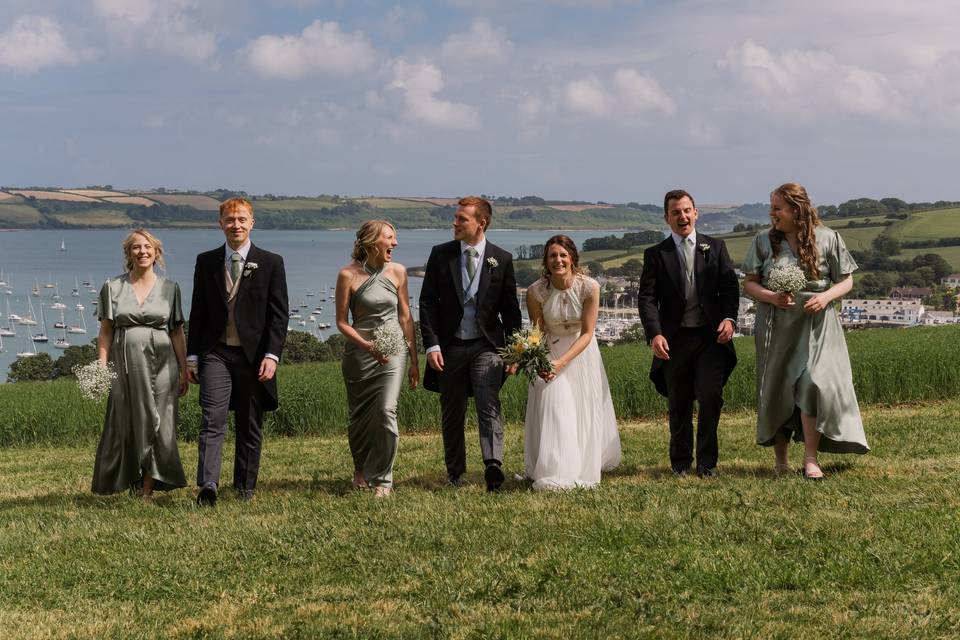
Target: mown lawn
[{"x": 871, "y": 552}]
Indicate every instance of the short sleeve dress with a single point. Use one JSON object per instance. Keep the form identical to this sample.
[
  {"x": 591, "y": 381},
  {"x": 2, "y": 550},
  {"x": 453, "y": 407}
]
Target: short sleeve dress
[
  {"x": 139, "y": 432},
  {"x": 802, "y": 359},
  {"x": 570, "y": 429}
]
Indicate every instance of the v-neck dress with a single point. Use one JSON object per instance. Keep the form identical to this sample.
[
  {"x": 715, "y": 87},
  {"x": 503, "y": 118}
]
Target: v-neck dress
[
  {"x": 373, "y": 389},
  {"x": 802, "y": 359},
  {"x": 139, "y": 431}
]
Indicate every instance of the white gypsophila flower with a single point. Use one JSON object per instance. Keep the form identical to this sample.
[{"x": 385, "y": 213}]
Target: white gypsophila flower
[
  {"x": 704, "y": 247},
  {"x": 388, "y": 340},
  {"x": 788, "y": 278},
  {"x": 493, "y": 263},
  {"x": 249, "y": 268},
  {"x": 94, "y": 379}
]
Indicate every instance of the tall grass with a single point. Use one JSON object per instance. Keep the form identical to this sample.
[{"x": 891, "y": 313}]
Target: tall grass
[{"x": 889, "y": 366}]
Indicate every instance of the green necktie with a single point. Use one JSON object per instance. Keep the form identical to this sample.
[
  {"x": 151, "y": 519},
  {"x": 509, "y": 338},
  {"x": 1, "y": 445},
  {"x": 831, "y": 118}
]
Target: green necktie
[
  {"x": 471, "y": 267},
  {"x": 236, "y": 266}
]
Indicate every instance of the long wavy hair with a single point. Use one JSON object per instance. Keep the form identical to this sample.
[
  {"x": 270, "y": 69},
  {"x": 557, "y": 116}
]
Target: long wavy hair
[
  {"x": 152, "y": 239},
  {"x": 364, "y": 247},
  {"x": 806, "y": 220},
  {"x": 571, "y": 248}
]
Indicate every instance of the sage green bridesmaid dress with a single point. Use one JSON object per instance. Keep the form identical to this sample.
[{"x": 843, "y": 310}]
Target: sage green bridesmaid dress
[
  {"x": 139, "y": 432},
  {"x": 373, "y": 389},
  {"x": 802, "y": 359}
]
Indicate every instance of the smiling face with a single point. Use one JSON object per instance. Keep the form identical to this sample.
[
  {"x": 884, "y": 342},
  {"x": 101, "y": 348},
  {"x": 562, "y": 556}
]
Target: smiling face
[
  {"x": 682, "y": 216},
  {"x": 236, "y": 225},
  {"x": 783, "y": 216},
  {"x": 142, "y": 253},
  {"x": 385, "y": 244},
  {"x": 559, "y": 261},
  {"x": 467, "y": 226}
]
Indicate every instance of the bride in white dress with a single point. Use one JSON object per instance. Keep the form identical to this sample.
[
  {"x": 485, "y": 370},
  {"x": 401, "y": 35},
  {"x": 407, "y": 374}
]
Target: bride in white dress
[{"x": 570, "y": 430}]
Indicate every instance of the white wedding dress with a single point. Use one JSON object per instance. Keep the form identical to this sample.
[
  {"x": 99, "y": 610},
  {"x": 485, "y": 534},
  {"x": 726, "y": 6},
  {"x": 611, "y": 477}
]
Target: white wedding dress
[{"x": 570, "y": 430}]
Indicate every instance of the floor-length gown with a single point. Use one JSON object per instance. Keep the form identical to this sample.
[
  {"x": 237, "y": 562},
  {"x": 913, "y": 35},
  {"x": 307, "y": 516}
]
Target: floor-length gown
[
  {"x": 570, "y": 430},
  {"x": 140, "y": 428},
  {"x": 373, "y": 389},
  {"x": 802, "y": 359}
]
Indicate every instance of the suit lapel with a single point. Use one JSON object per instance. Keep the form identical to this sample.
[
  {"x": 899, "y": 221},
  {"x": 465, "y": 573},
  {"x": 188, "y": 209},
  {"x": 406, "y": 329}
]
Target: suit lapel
[
  {"x": 485, "y": 273},
  {"x": 219, "y": 273},
  {"x": 671, "y": 262},
  {"x": 699, "y": 261},
  {"x": 456, "y": 273},
  {"x": 252, "y": 256}
]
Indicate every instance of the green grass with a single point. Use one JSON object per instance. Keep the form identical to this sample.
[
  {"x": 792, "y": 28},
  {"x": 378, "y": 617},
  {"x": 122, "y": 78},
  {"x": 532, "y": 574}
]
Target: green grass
[
  {"x": 313, "y": 400},
  {"x": 928, "y": 225},
  {"x": 950, "y": 254},
  {"x": 870, "y": 552},
  {"x": 95, "y": 218},
  {"x": 18, "y": 215}
]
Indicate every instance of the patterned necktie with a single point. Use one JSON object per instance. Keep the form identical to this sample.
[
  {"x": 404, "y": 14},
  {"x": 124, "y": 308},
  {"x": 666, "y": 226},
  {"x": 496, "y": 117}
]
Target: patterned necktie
[
  {"x": 471, "y": 267},
  {"x": 236, "y": 266}
]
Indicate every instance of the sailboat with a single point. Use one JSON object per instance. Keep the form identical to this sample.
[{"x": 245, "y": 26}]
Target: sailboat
[
  {"x": 3, "y": 280},
  {"x": 31, "y": 349},
  {"x": 11, "y": 317},
  {"x": 28, "y": 319},
  {"x": 1, "y": 343},
  {"x": 42, "y": 336},
  {"x": 49, "y": 284},
  {"x": 61, "y": 342},
  {"x": 82, "y": 327},
  {"x": 56, "y": 296},
  {"x": 60, "y": 324},
  {"x": 63, "y": 245},
  {"x": 76, "y": 288},
  {"x": 36, "y": 288}
]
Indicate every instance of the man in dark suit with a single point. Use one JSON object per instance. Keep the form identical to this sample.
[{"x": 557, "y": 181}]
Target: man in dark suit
[
  {"x": 238, "y": 324},
  {"x": 468, "y": 306},
  {"x": 688, "y": 301}
]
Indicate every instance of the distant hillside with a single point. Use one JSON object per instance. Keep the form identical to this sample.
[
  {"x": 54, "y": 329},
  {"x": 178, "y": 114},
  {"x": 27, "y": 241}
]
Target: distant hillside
[{"x": 102, "y": 207}]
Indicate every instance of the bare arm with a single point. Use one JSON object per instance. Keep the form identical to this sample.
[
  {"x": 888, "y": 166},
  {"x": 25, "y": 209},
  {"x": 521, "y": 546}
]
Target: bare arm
[
  {"x": 588, "y": 323},
  {"x": 406, "y": 324},
  {"x": 104, "y": 340},
  {"x": 822, "y": 300},
  {"x": 755, "y": 290},
  {"x": 342, "y": 300},
  {"x": 534, "y": 310},
  {"x": 180, "y": 350}
]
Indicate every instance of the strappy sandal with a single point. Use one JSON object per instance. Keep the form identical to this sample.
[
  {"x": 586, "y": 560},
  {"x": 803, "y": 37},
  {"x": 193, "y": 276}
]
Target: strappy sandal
[
  {"x": 382, "y": 492},
  {"x": 816, "y": 473}
]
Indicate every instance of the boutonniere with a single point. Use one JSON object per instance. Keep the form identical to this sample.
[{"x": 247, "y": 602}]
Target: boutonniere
[
  {"x": 704, "y": 247},
  {"x": 492, "y": 263},
  {"x": 249, "y": 268}
]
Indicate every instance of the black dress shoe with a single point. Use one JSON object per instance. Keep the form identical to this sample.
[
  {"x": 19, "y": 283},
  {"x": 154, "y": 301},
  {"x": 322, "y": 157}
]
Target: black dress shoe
[
  {"x": 707, "y": 472},
  {"x": 207, "y": 497},
  {"x": 455, "y": 481},
  {"x": 244, "y": 495},
  {"x": 681, "y": 473},
  {"x": 493, "y": 476}
]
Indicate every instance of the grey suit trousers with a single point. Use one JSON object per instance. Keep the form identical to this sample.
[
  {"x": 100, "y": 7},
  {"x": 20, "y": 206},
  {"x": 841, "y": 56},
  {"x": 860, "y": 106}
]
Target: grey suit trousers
[{"x": 471, "y": 366}]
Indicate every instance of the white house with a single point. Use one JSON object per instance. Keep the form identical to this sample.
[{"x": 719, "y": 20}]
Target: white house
[
  {"x": 940, "y": 317},
  {"x": 883, "y": 312},
  {"x": 952, "y": 281}
]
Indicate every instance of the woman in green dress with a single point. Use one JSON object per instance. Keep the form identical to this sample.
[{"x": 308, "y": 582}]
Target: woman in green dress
[
  {"x": 141, "y": 333},
  {"x": 804, "y": 382},
  {"x": 373, "y": 290}
]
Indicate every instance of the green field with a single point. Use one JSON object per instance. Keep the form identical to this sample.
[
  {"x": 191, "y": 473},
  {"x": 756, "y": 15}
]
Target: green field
[
  {"x": 294, "y": 204},
  {"x": 950, "y": 254},
  {"x": 928, "y": 225},
  {"x": 869, "y": 552},
  {"x": 17, "y": 215},
  {"x": 95, "y": 218},
  {"x": 396, "y": 203}
]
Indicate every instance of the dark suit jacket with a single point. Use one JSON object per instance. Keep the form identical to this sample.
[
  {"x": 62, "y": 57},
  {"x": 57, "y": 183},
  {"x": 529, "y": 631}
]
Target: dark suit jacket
[
  {"x": 661, "y": 297},
  {"x": 441, "y": 300},
  {"x": 261, "y": 309}
]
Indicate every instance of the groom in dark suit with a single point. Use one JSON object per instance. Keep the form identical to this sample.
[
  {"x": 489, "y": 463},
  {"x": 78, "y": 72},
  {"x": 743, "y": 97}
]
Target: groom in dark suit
[
  {"x": 238, "y": 324},
  {"x": 688, "y": 301},
  {"x": 468, "y": 306}
]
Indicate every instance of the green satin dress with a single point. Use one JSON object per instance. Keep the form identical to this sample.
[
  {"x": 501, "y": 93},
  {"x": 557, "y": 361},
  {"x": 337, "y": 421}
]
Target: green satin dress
[
  {"x": 802, "y": 359},
  {"x": 139, "y": 431},
  {"x": 373, "y": 389}
]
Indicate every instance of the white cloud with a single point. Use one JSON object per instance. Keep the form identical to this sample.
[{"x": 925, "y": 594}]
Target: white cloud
[
  {"x": 642, "y": 92},
  {"x": 481, "y": 43},
  {"x": 163, "y": 26},
  {"x": 807, "y": 83},
  {"x": 587, "y": 97},
  {"x": 420, "y": 83},
  {"x": 321, "y": 49},
  {"x": 32, "y": 43}
]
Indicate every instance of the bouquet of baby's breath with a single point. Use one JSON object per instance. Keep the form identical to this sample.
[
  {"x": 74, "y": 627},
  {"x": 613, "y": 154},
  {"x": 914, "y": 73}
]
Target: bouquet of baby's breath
[
  {"x": 787, "y": 279},
  {"x": 528, "y": 349},
  {"x": 94, "y": 379},
  {"x": 388, "y": 340}
]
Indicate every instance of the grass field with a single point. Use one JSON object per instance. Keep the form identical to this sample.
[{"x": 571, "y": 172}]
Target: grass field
[
  {"x": 96, "y": 218},
  {"x": 870, "y": 552},
  {"x": 395, "y": 203},
  {"x": 950, "y": 254},
  {"x": 294, "y": 203},
  {"x": 19, "y": 214},
  {"x": 928, "y": 225}
]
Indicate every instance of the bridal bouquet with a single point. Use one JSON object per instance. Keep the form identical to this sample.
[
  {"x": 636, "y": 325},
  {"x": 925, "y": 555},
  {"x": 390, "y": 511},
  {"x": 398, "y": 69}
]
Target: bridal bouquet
[
  {"x": 787, "y": 279},
  {"x": 528, "y": 349},
  {"x": 388, "y": 340},
  {"x": 94, "y": 379}
]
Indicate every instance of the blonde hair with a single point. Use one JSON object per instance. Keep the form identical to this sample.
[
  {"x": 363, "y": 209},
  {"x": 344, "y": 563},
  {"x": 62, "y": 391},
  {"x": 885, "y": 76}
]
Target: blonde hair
[
  {"x": 152, "y": 239},
  {"x": 367, "y": 236},
  {"x": 806, "y": 220}
]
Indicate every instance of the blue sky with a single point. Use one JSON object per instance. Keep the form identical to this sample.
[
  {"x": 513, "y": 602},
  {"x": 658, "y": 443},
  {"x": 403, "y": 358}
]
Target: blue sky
[{"x": 612, "y": 100}]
